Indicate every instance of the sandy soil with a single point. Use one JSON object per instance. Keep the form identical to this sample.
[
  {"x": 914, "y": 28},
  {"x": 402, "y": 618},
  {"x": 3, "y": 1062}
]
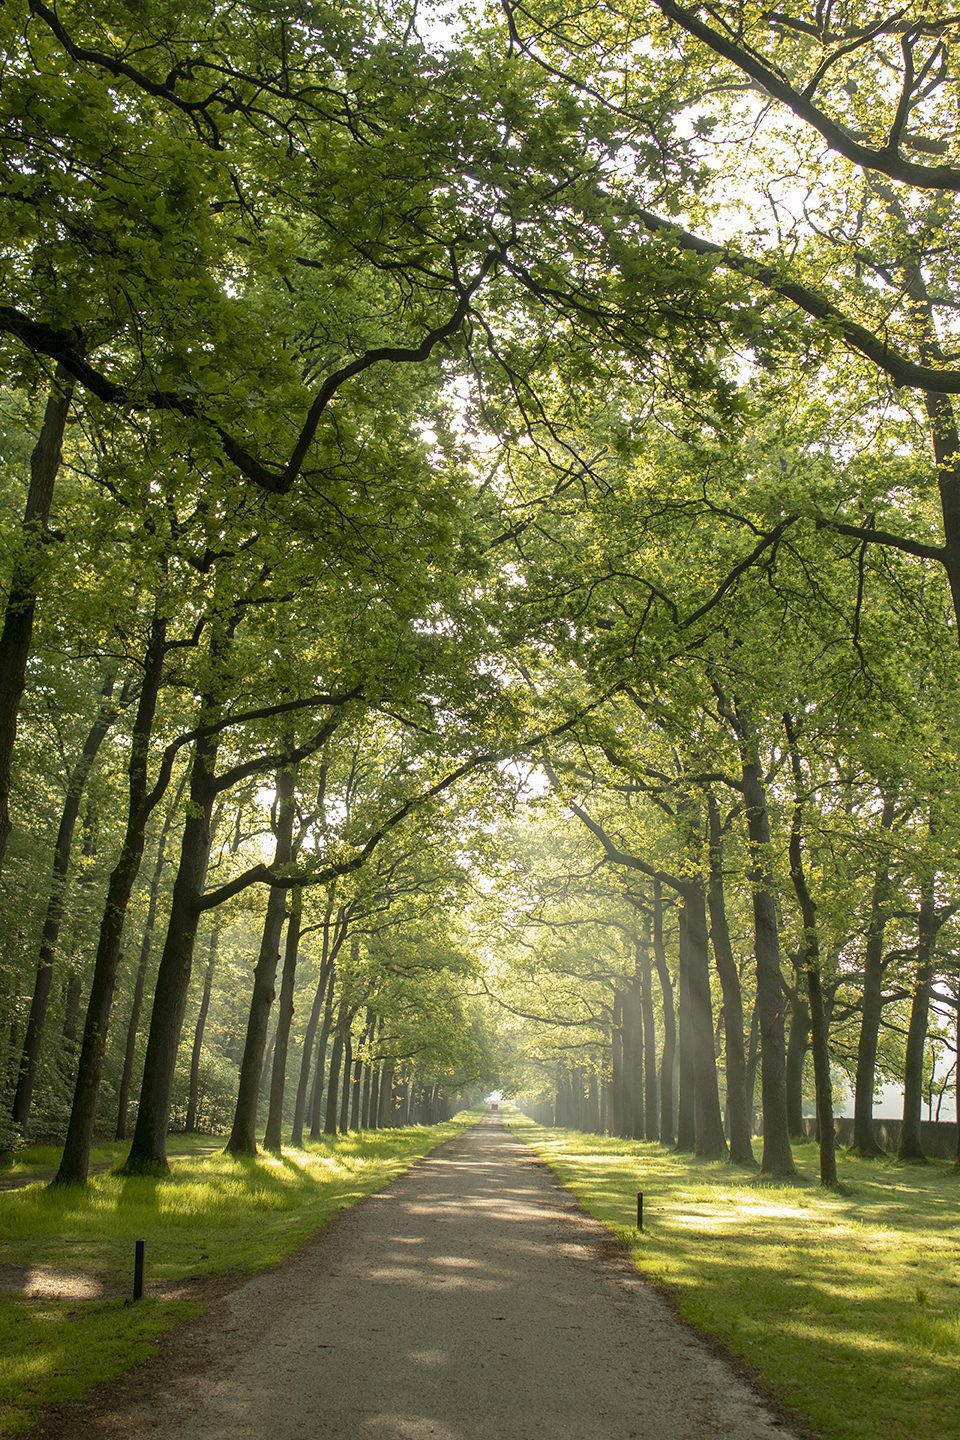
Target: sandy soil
[{"x": 471, "y": 1300}]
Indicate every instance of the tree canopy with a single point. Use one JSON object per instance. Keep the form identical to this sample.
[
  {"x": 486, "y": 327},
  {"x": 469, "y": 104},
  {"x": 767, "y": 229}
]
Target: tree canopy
[{"x": 481, "y": 548}]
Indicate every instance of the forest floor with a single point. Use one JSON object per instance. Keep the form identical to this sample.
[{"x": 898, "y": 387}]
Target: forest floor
[
  {"x": 471, "y": 1300},
  {"x": 66, "y": 1254},
  {"x": 845, "y": 1304}
]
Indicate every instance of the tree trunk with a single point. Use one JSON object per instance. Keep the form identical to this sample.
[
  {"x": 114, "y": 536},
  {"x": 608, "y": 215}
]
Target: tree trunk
[
  {"x": 385, "y": 1111},
  {"x": 333, "y": 1078},
  {"x": 366, "y": 1096},
  {"x": 593, "y": 1103},
  {"x": 194, "y": 1090},
  {"x": 753, "y": 1062},
  {"x": 344, "y": 1121},
  {"x": 146, "y": 945},
  {"x": 651, "y": 1128},
  {"x": 243, "y": 1136},
  {"x": 864, "y": 1139},
  {"x": 738, "y": 1108},
  {"x": 75, "y": 1160},
  {"x": 911, "y": 1145},
  {"x": 50, "y": 935},
  {"x": 686, "y": 1043},
  {"x": 710, "y": 1143},
  {"x": 17, "y": 632},
  {"x": 810, "y": 959},
  {"x": 368, "y": 1068},
  {"x": 669, "y": 1020},
  {"x": 324, "y": 983},
  {"x": 372, "y": 1121},
  {"x": 777, "y": 1154},
  {"x": 956, "y": 1083},
  {"x": 946, "y": 449},
  {"x": 73, "y": 989},
  {"x": 324, "y": 979},
  {"x": 633, "y": 1056},
  {"x": 148, "y": 1151},
  {"x": 316, "y": 1098},
  {"x": 798, "y": 1043},
  {"x": 272, "y": 1138},
  {"x": 358, "y": 1069},
  {"x": 263, "y": 1085},
  {"x": 73, "y": 994},
  {"x": 617, "y": 1086}
]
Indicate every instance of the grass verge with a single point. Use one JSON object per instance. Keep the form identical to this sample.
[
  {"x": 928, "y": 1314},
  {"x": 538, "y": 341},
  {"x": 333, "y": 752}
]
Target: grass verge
[
  {"x": 846, "y": 1306},
  {"x": 36, "y": 1162},
  {"x": 214, "y": 1215}
]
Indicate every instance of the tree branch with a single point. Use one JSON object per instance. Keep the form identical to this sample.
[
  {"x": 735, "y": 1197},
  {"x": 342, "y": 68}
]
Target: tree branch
[{"x": 887, "y": 159}]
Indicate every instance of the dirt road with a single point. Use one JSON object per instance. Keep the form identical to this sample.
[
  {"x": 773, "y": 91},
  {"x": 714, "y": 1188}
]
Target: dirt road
[{"x": 469, "y": 1301}]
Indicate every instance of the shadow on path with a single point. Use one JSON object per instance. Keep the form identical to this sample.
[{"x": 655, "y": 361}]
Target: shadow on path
[{"x": 470, "y": 1300}]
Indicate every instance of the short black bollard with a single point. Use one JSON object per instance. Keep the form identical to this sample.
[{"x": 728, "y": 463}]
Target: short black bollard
[
  {"x": 639, "y": 1209},
  {"x": 138, "y": 1269}
]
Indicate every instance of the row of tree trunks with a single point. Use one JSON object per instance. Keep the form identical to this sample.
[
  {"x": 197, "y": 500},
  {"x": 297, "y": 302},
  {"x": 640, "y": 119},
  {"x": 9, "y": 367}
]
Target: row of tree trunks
[
  {"x": 53, "y": 917},
  {"x": 243, "y": 1136},
  {"x": 75, "y": 1160},
  {"x": 148, "y": 1153},
  {"x": 323, "y": 995}
]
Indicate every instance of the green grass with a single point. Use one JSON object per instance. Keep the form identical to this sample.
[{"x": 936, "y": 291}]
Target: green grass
[
  {"x": 847, "y": 1306},
  {"x": 54, "y": 1351},
  {"x": 214, "y": 1215},
  {"x": 40, "y": 1160}
]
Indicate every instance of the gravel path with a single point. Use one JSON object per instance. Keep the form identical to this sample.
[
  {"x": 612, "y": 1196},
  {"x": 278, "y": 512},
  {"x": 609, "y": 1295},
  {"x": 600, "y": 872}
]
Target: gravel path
[{"x": 469, "y": 1301}]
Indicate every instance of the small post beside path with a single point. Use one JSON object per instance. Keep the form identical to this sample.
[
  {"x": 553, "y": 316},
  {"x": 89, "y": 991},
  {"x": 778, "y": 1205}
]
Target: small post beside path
[
  {"x": 141, "y": 1246},
  {"x": 639, "y": 1209}
]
